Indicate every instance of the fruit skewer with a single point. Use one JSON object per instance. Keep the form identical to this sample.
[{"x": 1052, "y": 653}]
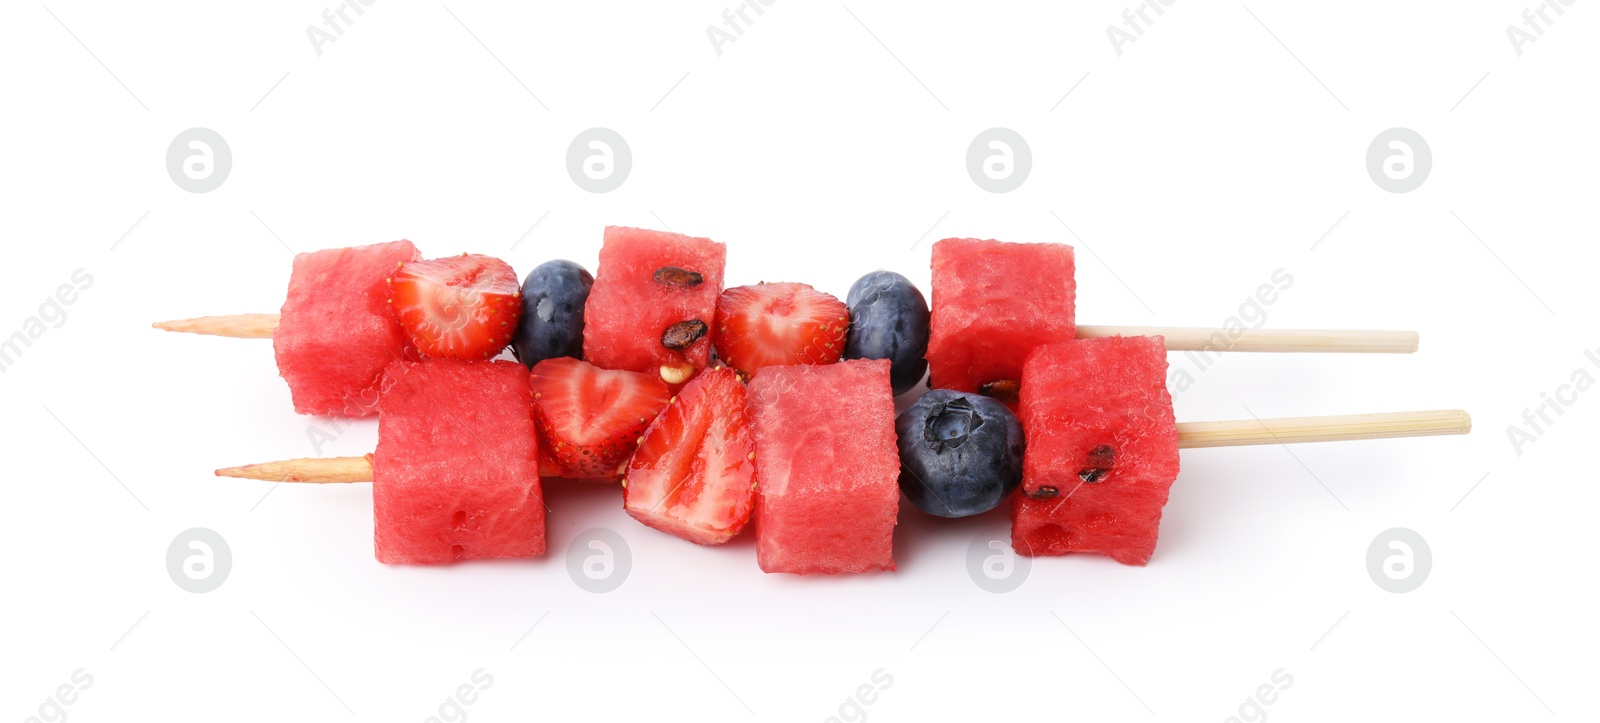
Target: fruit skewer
[
  {"x": 813, "y": 447},
  {"x": 812, "y": 519},
  {"x": 621, "y": 383},
  {"x": 658, "y": 306},
  {"x": 261, "y": 326},
  {"x": 1191, "y": 435}
]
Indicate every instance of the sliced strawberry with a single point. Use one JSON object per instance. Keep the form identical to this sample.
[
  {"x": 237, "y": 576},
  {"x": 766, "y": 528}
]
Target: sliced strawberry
[
  {"x": 458, "y": 307},
  {"x": 590, "y": 418},
  {"x": 775, "y": 324},
  {"x": 694, "y": 473},
  {"x": 549, "y": 467}
]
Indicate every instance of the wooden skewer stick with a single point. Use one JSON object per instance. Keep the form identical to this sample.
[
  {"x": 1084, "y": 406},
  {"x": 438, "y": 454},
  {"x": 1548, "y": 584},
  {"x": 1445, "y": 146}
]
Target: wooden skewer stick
[
  {"x": 306, "y": 469},
  {"x": 1337, "y": 428},
  {"x": 1178, "y": 338},
  {"x": 238, "y": 326}
]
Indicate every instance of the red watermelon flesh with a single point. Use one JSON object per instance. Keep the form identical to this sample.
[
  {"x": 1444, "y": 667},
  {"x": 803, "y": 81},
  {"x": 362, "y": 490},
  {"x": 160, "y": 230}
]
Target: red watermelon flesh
[
  {"x": 647, "y": 282},
  {"x": 336, "y": 332},
  {"x": 826, "y": 467},
  {"x": 993, "y": 302},
  {"x": 456, "y": 474},
  {"x": 1102, "y": 449}
]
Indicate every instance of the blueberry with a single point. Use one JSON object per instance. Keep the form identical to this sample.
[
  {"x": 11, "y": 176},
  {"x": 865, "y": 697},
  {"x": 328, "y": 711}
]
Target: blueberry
[
  {"x": 552, "y": 312},
  {"x": 889, "y": 320},
  {"x": 960, "y": 453}
]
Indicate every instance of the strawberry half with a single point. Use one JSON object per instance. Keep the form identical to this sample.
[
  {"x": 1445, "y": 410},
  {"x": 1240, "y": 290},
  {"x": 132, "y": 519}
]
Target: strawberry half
[
  {"x": 589, "y": 418},
  {"x": 694, "y": 473},
  {"x": 776, "y": 324},
  {"x": 458, "y": 307}
]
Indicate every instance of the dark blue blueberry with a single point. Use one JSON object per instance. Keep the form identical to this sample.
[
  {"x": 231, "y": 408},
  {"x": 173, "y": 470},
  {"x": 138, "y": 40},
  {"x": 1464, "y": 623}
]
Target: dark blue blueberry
[
  {"x": 889, "y": 320},
  {"x": 552, "y": 312},
  {"x": 960, "y": 453}
]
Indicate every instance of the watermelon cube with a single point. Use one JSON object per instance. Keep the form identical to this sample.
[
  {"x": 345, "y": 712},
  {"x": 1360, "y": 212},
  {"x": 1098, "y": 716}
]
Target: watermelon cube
[
  {"x": 1102, "y": 449},
  {"x": 456, "y": 473},
  {"x": 993, "y": 302},
  {"x": 827, "y": 467},
  {"x": 336, "y": 332},
  {"x": 649, "y": 281}
]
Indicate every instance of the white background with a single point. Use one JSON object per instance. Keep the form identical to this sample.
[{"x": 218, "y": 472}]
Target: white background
[{"x": 1190, "y": 167}]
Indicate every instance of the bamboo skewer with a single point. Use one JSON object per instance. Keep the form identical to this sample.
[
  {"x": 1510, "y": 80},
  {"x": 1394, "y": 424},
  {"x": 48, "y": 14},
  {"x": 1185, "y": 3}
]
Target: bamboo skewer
[
  {"x": 1285, "y": 430},
  {"x": 238, "y": 326},
  {"x": 1331, "y": 428},
  {"x": 1178, "y": 338},
  {"x": 320, "y": 470}
]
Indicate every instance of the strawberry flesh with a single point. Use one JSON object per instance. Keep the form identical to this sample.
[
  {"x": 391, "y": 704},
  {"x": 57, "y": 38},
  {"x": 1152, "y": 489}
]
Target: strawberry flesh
[
  {"x": 779, "y": 324},
  {"x": 694, "y": 473},
  {"x": 458, "y": 307},
  {"x": 590, "y": 419}
]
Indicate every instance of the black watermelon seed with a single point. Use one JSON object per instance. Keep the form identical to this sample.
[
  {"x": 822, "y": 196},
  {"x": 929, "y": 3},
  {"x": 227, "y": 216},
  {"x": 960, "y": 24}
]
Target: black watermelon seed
[
  {"x": 683, "y": 333},
  {"x": 1102, "y": 460},
  {"x": 1004, "y": 390},
  {"x": 679, "y": 277}
]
